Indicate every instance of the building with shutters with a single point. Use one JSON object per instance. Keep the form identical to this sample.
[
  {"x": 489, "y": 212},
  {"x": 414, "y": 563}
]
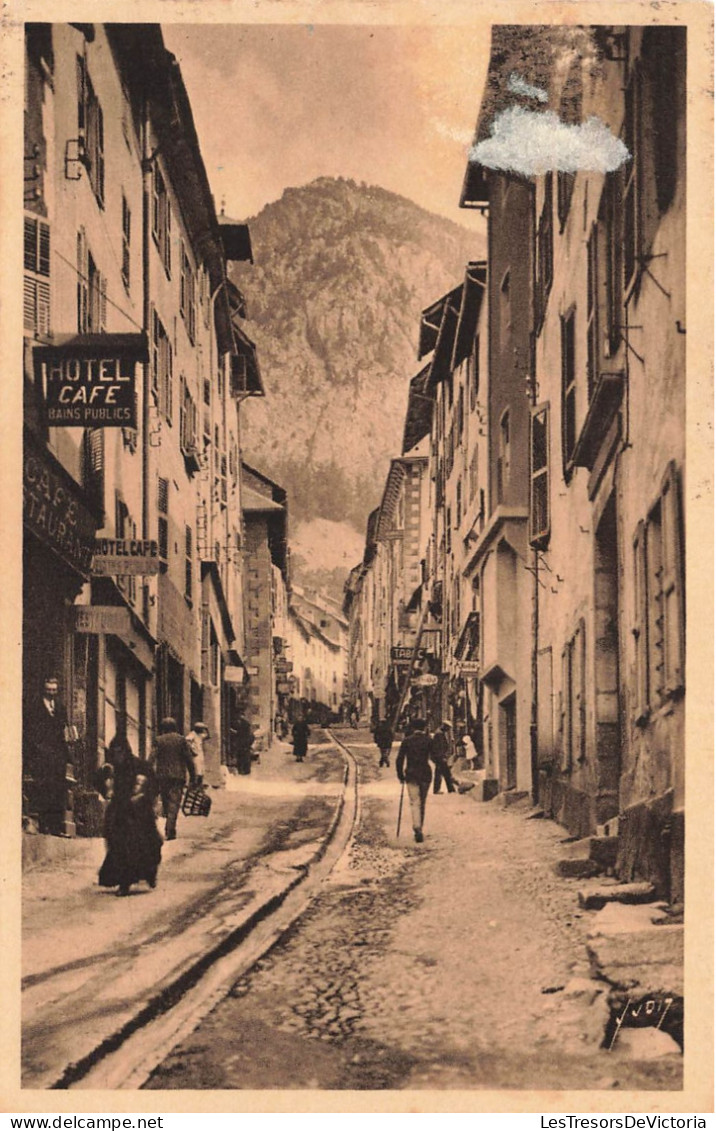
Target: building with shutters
[
  {"x": 317, "y": 647},
  {"x": 595, "y": 336},
  {"x": 125, "y": 273}
]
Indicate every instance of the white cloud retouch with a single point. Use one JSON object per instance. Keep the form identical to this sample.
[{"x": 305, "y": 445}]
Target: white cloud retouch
[
  {"x": 518, "y": 85},
  {"x": 532, "y": 143}
]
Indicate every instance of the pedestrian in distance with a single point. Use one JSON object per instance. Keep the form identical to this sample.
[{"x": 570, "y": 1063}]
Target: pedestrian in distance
[
  {"x": 242, "y": 738},
  {"x": 300, "y": 734},
  {"x": 196, "y": 738},
  {"x": 383, "y": 736},
  {"x": 442, "y": 755},
  {"x": 171, "y": 761},
  {"x": 413, "y": 769},
  {"x": 46, "y": 754},
  {"x": 134, "y": 844}
]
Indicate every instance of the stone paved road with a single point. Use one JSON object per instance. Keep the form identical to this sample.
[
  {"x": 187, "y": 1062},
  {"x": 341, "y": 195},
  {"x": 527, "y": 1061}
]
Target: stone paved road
[{"x": 459, "y": 963}]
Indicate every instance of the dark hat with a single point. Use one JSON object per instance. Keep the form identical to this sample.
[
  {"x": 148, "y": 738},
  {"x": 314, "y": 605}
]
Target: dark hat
[{"x": 168, "y": 725}]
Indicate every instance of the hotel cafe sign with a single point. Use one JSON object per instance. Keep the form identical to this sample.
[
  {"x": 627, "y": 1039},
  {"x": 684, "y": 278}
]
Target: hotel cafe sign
[{"x": 88, "y": 380}]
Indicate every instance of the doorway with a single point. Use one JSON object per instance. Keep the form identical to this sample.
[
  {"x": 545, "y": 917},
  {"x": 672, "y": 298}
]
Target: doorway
[{"x": 508, "y": 711}]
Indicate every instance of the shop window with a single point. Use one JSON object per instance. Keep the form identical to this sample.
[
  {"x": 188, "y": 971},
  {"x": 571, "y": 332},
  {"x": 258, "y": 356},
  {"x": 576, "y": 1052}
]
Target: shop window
[
  {"x": 162, "y": 368},
  {"x": 659, "y": 628},
  {"x": 90, "y": 130},
  {"x": 36, "y": 277},
  {"x": 163, "y": 523},
  {"x": 572, "y": 700},
  {"x": 569, "y": 394},
  {"x": 545, "y": 253},
  {"x": 539, "y": 477},
  {"x": 161, "y": 219},
  {"x": 126, "y": 241}
]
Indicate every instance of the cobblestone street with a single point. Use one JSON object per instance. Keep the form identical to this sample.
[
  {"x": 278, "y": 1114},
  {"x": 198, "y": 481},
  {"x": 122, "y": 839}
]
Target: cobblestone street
[{"x": 457, "y": 963}]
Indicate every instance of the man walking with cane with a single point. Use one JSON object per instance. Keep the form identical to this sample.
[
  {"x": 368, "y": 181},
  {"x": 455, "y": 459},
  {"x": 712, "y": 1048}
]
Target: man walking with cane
[{"x": 413, "y": 769}]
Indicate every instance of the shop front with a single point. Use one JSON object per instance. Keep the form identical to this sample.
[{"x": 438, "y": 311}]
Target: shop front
[{"x": 58, "y": 541}]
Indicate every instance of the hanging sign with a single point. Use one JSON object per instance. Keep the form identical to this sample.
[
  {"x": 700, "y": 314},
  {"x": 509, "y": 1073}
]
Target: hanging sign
[
  {"x": 88, "y": 380},
  {"x": 97, "y": 619},
  {"x": 406, "y": 653},
  {"x": 283, "y": 689},
  {"x": 234, "y": 673},
  {"x": 424, "y": 680},
  {"x": 120, "y": 557},
  {"x": 284, "y": 666},
  {"x": 470, "y": 667}
]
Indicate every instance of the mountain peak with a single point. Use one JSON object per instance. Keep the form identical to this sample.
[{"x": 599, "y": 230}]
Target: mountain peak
[{"x": 342, "y": 272}]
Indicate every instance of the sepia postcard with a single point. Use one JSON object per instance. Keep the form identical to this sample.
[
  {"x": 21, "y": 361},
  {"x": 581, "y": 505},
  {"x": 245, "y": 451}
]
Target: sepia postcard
[{"x": 357, "y": 600}]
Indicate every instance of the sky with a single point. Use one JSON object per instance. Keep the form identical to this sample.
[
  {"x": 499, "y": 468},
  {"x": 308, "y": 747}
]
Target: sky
[{"x": 279, "y": 105}]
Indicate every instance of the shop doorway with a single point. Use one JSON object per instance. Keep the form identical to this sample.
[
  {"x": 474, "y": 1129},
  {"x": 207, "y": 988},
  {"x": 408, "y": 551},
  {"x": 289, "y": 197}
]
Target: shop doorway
[{"x": 508, "y": 727}]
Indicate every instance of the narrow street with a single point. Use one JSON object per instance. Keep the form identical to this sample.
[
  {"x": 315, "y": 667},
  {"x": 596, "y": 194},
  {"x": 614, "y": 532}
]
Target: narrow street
[{"x": 458, "y": 963}]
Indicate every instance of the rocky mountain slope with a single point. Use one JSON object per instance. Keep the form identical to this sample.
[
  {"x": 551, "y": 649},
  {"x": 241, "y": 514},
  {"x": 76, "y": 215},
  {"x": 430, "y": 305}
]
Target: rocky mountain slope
[{"x": 341, "y": 274}]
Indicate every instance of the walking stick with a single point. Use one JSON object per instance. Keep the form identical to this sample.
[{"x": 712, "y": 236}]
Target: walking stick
[{"x": 400, "y": 808}]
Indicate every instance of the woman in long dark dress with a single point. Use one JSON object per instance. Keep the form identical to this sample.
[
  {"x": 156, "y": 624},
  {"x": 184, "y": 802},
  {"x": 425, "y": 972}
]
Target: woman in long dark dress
[{"x": 134, "y": 844}]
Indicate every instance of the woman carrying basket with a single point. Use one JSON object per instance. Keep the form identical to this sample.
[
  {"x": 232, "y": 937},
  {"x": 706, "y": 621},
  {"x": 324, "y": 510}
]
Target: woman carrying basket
[{"x": 134, "y": 845}]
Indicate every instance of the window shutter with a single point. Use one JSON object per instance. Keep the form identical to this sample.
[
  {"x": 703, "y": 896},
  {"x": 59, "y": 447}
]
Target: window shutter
[
  {"x": 103, "y": 303},
  {"x": 673, "y": 587},
  {"x": 163, "y": 495},
  {"x": 579, "y": 692},
  {"x": 640, "y": 625},
  {"x": 82, "y": 283},
  {"x": 565, "y": 702}
]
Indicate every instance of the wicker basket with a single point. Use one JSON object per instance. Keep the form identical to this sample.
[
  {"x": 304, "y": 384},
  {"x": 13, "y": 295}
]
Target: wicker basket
[{"x": 196, "y": 803}]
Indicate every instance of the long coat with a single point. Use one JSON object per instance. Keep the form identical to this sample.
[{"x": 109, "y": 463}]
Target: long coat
[{"x": 46, "y": 757}]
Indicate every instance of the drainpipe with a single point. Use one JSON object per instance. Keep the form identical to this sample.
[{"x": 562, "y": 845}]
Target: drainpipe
[
  {"x": 146, "y": 314},
  {"x": 534, "y": 753}
]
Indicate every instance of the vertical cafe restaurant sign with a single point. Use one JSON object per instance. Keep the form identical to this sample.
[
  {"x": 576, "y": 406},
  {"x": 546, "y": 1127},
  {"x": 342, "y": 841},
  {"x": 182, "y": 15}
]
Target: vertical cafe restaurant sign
[{"x": 88, "y": 380}]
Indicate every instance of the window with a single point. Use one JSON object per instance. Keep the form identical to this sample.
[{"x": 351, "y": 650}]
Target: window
[
  {"x": 473, "y": 472},
  {"x": 539, "y": 477},
  {"x": 659, "y": 629},
  {"x": 611, "y": 215},
  {"x": 161, "y": 219},
  {"x": 460, "y": 414},
  {"x": 162, "y": 368},
  {"x": 90, "y": 123},
  {"x": 571, "y": 114},
  {"x": 503, "y": 458},
  {"x": 473, "y": 373},
  {"x": 126, "y": 241},
  {"x": 93, "y": 463},
  {"x": 163, "y": 523},
  {"x": 187, "y": 299},
  {"x": 91, "y": 291},
  {"x": 594, "y": 351},
  {"x": 36, "y": 278},
  {"x": 505, "y": 311},
  {"x": 125, "y": 528},
  {"x": 569, "y": 394},
  {"x": 573, "y": 700},
  {"x": 448, "y": 530},
  {"x": 632, "y": 182},
  {"x": 545, "y": 253},
  {"x": 188, "y": 564}
]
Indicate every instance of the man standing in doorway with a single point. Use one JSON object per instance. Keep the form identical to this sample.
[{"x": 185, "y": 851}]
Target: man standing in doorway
[
  {"x": 171, "y": 761},
  {"x": 243, "y": 739},
  {"x": 46, "y": 760},
  {"x": 413, "y": 767}
]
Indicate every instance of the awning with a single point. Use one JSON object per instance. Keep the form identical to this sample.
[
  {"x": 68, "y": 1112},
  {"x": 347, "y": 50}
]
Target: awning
[
  {"x": 440, "y": 367},
  {"x": 414, "y": 603},
  {"x": 419, "y": 414},
  {"x": 468, "y": 641},
  {"x": 245, "y": 372},
  {"x": 472, "y": 295},
  {"x": 236, "y": 239},
  {"x": 254, "y": 503},
  {"x": 431, "y": 321}
]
